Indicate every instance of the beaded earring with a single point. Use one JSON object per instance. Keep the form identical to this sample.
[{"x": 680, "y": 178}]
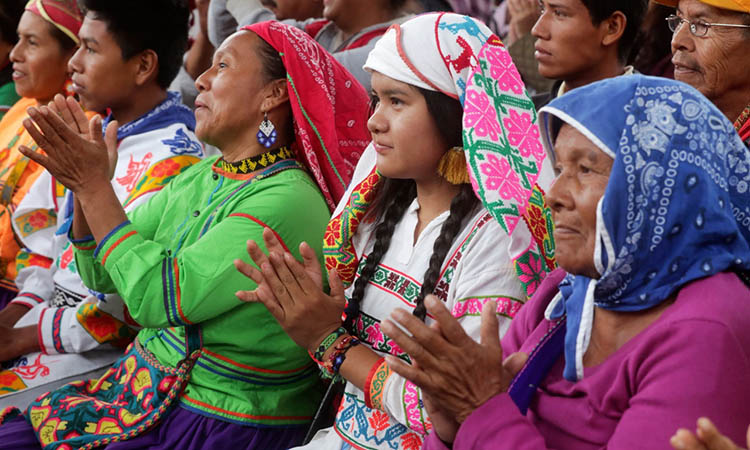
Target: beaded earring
[{"x": 267, "y": 132}]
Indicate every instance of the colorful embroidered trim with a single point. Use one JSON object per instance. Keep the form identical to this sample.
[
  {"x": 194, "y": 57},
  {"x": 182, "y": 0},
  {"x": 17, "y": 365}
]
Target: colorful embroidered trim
[
  {"x": 338, "y": 248},
  {"x": 744, "y": 116},
  {"x": 170, "y": 273},
  {"x": 56, "y": 325},
  {"x": 416, "y": 419},
  {"x": 109, "y": 236},
  {"x": 256, "y": 162},
  {"x": 506, "y": 306},
  {"x": 375, "y": 386},
  {"x": 159, "y": 175}
]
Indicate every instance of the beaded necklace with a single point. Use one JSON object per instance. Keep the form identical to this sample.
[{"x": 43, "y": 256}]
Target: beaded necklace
[{"x": 256, "y": 162}]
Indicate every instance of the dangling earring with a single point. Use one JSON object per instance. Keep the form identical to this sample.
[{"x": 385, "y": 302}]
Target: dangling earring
[
  {"x": 452, "y": 166},
  {"x": 267, "y": 132}
]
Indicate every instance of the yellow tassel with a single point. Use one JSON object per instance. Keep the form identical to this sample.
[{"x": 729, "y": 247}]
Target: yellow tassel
[{"x": 452, "y": 166}]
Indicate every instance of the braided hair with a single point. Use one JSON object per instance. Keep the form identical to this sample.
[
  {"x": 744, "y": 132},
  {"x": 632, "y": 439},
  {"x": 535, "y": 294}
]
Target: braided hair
[{"x": 395, "y": 196}]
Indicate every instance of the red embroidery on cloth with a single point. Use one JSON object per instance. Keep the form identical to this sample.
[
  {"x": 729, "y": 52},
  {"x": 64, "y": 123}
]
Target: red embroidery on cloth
[{"x": 135, "y": 171}]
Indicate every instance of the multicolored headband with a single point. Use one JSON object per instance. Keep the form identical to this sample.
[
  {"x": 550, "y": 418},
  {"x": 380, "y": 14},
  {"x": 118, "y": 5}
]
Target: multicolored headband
[{"x": 63, "y": 14}]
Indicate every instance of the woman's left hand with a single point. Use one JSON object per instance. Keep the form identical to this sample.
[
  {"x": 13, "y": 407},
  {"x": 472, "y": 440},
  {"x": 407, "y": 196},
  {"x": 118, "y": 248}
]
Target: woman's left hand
[
  {"x": 79, "y": 162},
  {"x": 292, "y": 291},
  {"x": 444, "y": 353}
]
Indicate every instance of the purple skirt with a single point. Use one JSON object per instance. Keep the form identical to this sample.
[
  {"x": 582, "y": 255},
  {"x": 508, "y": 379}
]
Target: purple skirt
[{"x": 181, "y": 429}]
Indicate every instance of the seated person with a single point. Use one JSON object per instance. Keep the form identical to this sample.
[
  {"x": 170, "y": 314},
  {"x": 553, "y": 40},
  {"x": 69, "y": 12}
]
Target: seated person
[
  {"x": 710, "y": 54},
  {"x": 411, "y": 223},
  {"x": 206, "y": 371},
  {"x": 582, "y": 41},
  {"x": 646, "y": 326},
  {"x": 47, "y": 38},
  {"x": 10, "y": 14},
  {"x": 123, "y": 66}
]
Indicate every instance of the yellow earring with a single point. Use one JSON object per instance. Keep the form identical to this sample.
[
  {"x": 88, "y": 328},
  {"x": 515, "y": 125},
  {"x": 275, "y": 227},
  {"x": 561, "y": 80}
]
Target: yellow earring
[{"x": 452, "y": 166}]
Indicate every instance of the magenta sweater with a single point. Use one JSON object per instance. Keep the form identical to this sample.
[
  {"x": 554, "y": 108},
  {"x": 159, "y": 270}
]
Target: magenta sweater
[{"x": 693, "y": 361}]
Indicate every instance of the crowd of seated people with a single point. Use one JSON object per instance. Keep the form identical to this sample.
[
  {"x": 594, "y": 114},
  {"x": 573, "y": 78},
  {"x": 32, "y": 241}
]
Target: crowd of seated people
[{"x": 370, "y": 224}]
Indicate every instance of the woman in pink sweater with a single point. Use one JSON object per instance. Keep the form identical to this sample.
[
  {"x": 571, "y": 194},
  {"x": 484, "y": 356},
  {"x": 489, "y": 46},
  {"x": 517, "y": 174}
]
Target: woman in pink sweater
[{"x": 646, "y": 327}]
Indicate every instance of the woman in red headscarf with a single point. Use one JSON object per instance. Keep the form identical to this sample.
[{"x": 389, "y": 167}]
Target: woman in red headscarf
[
  {"x": 207, "y": 370},
  {"x": 47, "y": 38}
]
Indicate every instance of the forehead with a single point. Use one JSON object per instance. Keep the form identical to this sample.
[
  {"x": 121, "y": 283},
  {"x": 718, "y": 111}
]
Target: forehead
[
  {"x": 572, "y": 145},
  {"x": 384, "y": 84},
  {"x": 32, "y": 23}
]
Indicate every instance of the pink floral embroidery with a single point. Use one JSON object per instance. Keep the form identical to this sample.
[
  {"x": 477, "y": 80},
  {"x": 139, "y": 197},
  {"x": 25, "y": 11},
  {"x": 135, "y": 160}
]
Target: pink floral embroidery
[
  {"x": 531, "y": 276},
  {"x": 473, "y": 306},
  {"x": 502, "y": 178},
  {"x": 524, "y": 135},
  {"x": 480, "y": 114},
  {"x": 503, "y": 70}
]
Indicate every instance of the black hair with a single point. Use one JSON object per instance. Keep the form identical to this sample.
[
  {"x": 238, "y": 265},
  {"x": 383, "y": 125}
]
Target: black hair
[
  {"x": 139, "y": 25},
  {"x": 393, "y": 199},
  {"x": 10, "y": 14},
  {"x": 634, "y": 11},
  {"x": 273, "y": 66}
]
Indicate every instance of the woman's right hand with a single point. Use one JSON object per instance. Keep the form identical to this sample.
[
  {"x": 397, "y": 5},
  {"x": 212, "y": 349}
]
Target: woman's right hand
[
  {"x": 706, "y": 437},
  {"x": 293, "y": 291}
]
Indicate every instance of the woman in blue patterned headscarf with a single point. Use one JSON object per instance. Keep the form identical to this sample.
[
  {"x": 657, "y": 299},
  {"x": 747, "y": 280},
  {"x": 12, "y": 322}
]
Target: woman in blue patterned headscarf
[{"x": 647, "y": 325}]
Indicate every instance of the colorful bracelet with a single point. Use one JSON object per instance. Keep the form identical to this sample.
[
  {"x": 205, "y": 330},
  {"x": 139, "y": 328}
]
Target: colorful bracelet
[
  {"x": 336, "y": 359},
  {"x": 327, "y": 343}
]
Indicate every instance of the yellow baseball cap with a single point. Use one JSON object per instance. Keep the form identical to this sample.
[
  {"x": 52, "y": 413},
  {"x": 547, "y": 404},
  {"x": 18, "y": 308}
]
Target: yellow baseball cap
[{"x": 734, "y": 5}]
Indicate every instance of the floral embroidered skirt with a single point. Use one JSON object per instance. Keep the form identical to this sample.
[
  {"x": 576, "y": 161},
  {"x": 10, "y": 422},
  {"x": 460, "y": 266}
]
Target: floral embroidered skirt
[{"x": 181, "y": 429}]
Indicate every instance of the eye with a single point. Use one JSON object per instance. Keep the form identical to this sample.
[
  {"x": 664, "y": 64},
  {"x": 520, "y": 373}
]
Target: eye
[
  {"x": 559, "y": 13},
  {"x": 395, "y": 101},
  {"x": 222, "y": 65},
  {"x": 584, "y": 169}
]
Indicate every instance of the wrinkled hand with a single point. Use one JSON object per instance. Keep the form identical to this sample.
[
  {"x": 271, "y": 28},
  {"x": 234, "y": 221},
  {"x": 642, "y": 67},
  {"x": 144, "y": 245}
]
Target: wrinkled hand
[
  {"x": 15, "y": 342},
  {"x": 444, "y": 353},
  {"x": 77, "y": 160},
  {"x": 292, "y": 291},
  {"x": 706, "y": 437}
]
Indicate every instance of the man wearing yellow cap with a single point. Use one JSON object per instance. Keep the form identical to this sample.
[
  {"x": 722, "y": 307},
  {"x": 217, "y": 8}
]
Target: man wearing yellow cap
[{"x": 711, "y": 48}]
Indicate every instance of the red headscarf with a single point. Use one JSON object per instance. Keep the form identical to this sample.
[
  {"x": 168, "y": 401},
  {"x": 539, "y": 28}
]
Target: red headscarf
[
  {"x": 63, "y": 14},
  {"x": 329, "y": 106}
]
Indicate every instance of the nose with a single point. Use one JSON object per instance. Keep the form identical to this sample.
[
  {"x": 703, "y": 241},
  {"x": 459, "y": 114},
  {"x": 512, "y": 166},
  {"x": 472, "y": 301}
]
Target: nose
[
  {"x": 558, "y": 195},
  {"x": 682, "y": 39},
  {"x": 203, "y": 82},
  {"x": 16, "y": 55},
  {"x": 540, "y": 30},
  {"x": 74, "y": 64},
  {"x": 377, "y": 122}
]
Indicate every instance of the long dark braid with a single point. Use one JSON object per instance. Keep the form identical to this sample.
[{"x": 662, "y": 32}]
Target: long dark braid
[
  {"x": 461, "y": 205},
  {"x": 394, "y": 198}
]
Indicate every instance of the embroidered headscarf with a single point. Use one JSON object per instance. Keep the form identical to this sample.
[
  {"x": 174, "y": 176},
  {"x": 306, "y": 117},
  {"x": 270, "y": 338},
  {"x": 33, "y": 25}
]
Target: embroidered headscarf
[
  {"x": 460, "y": 57},
  {"x": 676, "y": 207},
  {"x": 63, "y": 14},
  {"x": 329, "y": 108}
]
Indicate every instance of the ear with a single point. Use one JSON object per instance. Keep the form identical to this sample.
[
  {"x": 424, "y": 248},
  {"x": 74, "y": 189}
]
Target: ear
[
  {"x": 276, "y": 93},
  {"x": 613, "y": 28},
  {"x": 146, "y": 67}
]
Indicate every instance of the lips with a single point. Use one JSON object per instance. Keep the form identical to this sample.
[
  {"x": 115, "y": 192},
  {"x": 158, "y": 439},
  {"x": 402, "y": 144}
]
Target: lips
[
  {"x": 381, "y": 148},
  {"x": 681, "y": 65},
  {"x": 565, "y": 231},
  {"x": 541, "y": 52},
  {"x": 17, "y": 74}
]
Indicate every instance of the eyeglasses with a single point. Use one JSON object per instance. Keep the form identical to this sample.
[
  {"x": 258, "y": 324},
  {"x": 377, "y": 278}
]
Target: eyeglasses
[{"x": 697, "y": 28}]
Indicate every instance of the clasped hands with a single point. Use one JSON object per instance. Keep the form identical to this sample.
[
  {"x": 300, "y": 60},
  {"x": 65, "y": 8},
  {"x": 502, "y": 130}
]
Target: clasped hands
[
  {"x": 456, "y": 374},
  {"x": 76, "y": 151}
]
